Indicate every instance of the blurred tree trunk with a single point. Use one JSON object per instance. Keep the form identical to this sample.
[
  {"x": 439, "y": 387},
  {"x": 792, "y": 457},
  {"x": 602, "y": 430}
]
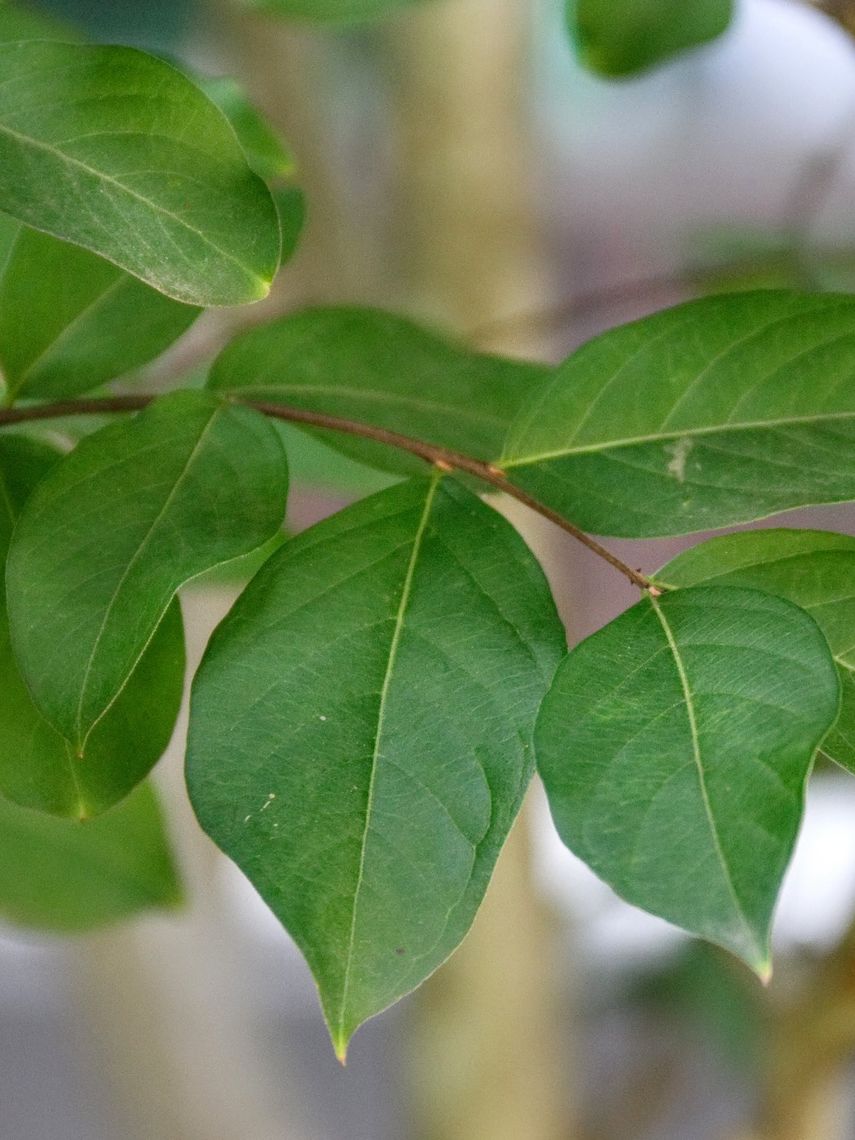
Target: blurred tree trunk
[{"x": 489, "y": 1057}]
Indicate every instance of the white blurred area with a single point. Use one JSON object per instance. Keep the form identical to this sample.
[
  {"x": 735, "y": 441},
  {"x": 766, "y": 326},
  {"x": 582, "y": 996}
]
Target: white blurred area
[{"x": 634, "y": 177}]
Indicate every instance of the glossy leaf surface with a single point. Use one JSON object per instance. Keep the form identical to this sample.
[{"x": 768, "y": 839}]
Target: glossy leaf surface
[
  {"x": 131, "y": 514},
  {"x": 716, "y": 412},
  {"x": 816, "y": 570},
  {"x": 367, "y": 365},
  {"x": 623, "y": 37},
  {"x": 69, "y": 321},
  {"x": 361, "y": 733},
  {"x": 63, "y": 876},
  {"x": 118, "y": 152},
  {"x": 674, "y": 746}
]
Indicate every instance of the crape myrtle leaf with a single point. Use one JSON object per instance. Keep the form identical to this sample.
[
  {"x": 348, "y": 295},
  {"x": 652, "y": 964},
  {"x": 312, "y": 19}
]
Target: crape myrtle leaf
[
  {"x": 624, "y": 37},
  {"x": 63, "y": 876},
  {"x": 675, "y": 744},
  {"x": 120, "y": 153},
  {"x": 382, "y": 369},
  {"x": 265, "y": 151},
  {"x": 70, "y": 321},
  {"x": 131, "y": 514},
  {"x": 813, "y": 568},
  {"x": 360, "y": 735},
  {"x": 331, "y": 11},
  {"x": 38, "y": 769},
  {"x": 716, "y": 412}
]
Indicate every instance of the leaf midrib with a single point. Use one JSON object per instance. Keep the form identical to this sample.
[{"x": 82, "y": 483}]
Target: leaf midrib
[
  {"x": 156, "y": 208},
  {"x": 203, "y": 434},
  {"x": 684, "y": 433},
  {"x": 406, "y": 592},
  {"x": 698, "y": 759}
]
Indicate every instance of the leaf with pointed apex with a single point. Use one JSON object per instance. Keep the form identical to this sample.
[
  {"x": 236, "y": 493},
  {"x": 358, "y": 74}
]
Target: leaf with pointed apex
[
  {"x": 360, "y": 736},
  {"x": 624, "y": 37},
  {"x": 331, "y": 11},
  {"x": 131, "y": 514},
  {"x": 814, "y": 569},
  {"x": 716, "y": 412},
  {"x": 118, "y": 152},
  {"x": 64, "y": 876},
  {"x": 381, "y": 369},
  {"x": 38, "y": 769},
  {"x": 675, "y": 744},
  {"x": 70, "y": 321}
]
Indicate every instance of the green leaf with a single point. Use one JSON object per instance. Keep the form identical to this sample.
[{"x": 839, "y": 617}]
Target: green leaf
[
  {"x": 291, "y": 207},
  {"x": 360, "y": 735},
  {"x": 716, "y": 412},
  {"x": 38, "y": 769},
  {"x": 331, "y": 11},
  {"x": 675, "y": 744},
  {"x": 624, "y": 37},
  {"x": 69, "y": 321},
  {"x": 120, "y": 153},
  {"x": 266, "y": 153},
  {"x": 135, "y": 510},
  {"x": 812, "y": 568},
  {"x": 367, "y": 365},
  {"x": 63, "y": 876}
]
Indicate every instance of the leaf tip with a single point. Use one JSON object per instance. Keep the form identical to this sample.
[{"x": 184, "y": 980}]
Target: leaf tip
[
  {"x": 340, "y": 1043},
  {"x": 763, "y": 970}
]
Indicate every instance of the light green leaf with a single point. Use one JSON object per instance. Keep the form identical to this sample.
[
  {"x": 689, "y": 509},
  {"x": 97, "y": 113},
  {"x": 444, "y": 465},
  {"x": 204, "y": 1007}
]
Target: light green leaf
[
  {"x": 331, "y": 11},
  {"x": 38, "y": 769},
  {"x": 675, "y": 744},
  {"x": 66, "y": 877},
  {"x": 69, "y": 321},
  {"x": 367, "y": 365},
  {"x": 716, "y": 412},
  {"x": 623, "y": 37},
  {"x": 135, "y": 510},
  {"x": 266, "y": 152},
  {"x": 118, "y": 152},
  {"x": 813, "y": 568},
  {"x": 360, "y": 735},
  {"x": 291, "y": 207}
]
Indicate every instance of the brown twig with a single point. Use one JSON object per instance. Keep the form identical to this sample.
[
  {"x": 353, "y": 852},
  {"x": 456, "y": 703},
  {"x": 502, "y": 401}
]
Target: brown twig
[{"x": 441, "y": 457}]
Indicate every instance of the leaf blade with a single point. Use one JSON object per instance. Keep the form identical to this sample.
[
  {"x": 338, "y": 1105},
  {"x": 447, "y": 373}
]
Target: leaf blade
[
  {"x": 118, "y": 152},
  {"x": 716, "y": 412},
  {"x": 382, "y": 369},
  {"x": 384, "y": 803},
  {"x": 80, "y": 622},
  {"x": 679, "y": 776}
]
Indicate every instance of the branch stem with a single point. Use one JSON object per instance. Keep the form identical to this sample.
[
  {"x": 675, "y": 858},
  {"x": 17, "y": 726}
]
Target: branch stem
[{"x": 441, "y": 457}]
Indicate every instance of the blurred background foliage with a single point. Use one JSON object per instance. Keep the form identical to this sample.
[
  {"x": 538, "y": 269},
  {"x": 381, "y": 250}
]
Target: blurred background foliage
[{"x": 461, "y": 165}]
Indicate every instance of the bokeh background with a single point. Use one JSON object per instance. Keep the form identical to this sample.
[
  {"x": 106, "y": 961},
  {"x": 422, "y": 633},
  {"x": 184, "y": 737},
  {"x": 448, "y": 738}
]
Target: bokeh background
[{"x": 461, "y": 166}]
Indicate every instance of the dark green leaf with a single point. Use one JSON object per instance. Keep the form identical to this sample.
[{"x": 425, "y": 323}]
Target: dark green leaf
[
  {"x": 675, "y": 744},
  {"x": 623, "y": 37},
  {"x": 38, "y": 769},
  {"x": 105, "y": 541},
  {"x": 814, "y": 569},
  {"x": 118, "y": 152},
  {"x": 69, "y": 321},
  {"x": 382, "y": 369},
  {"x": 713, "y": 413},
  {"x": 360, "y": 734},
  {"x": 64, "y": 876}
]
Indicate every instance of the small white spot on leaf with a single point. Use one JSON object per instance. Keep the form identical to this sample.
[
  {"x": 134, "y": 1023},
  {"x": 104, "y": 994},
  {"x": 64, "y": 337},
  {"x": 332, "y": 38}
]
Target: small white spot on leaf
[{"x": 679, "y": 451}]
